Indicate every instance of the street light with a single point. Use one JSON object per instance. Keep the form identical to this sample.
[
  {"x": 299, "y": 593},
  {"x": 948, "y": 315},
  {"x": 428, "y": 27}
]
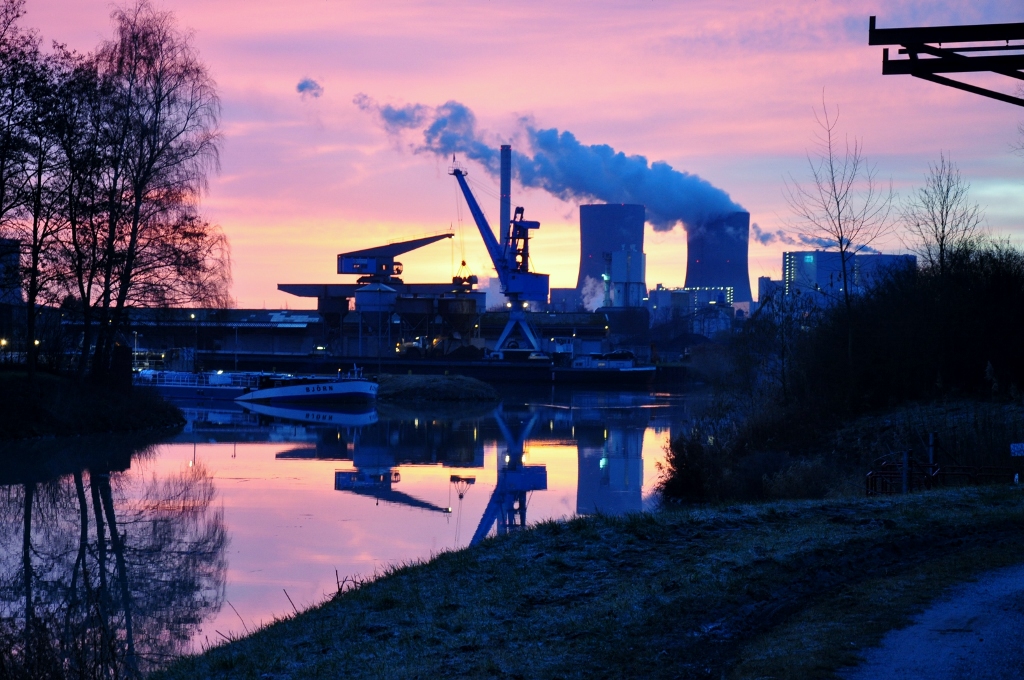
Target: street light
[{"x": 195, "y": 351}]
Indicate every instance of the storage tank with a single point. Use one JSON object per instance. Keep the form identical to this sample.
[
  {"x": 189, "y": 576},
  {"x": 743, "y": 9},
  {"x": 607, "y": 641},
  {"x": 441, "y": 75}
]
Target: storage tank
[
  {"x": 415, "y": 312},
  {"x": 375, "y": 304}
]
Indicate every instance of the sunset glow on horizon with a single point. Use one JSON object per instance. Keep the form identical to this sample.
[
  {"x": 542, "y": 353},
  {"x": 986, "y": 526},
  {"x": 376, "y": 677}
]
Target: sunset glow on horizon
[{"x": 723, "y": 90}]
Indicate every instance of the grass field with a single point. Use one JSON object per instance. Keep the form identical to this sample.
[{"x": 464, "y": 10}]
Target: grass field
[{"x": 790, "y": 589}]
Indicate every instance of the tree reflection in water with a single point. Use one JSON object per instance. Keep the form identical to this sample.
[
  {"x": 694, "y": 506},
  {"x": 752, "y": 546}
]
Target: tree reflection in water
[{"x": 105, "y": 574}]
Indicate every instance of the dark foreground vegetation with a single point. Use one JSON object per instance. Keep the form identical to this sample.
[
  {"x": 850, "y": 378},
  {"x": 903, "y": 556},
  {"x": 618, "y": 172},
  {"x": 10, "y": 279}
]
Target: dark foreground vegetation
[
  {"x": 783, "y": 590},
  {"x": 813, "y": 393},
  {"x": 54, "y": 406}
]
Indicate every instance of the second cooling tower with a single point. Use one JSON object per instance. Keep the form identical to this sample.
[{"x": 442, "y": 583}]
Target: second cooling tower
[{"x": 716, "y": 254}]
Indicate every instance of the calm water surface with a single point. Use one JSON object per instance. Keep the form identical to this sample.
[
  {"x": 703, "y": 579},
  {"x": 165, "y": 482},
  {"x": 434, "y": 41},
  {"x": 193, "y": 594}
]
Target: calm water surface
[{"x": 245, "y": 513}]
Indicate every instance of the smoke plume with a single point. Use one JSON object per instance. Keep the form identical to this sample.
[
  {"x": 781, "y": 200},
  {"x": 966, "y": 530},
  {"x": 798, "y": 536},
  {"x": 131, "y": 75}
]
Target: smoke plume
[
  {"x": 778, "y": 236},
  {"x": 593, "y": 293},
  {"x": 768, "y": 237},
  {"x": 561, "y": 165}
]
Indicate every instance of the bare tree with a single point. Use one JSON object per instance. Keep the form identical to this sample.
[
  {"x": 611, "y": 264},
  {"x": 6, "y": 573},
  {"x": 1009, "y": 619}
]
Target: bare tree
[
  {"x": 843, "y": 204},
  {"x": 162, "y": 140},
  {"x": 940, "y": 220},
  {"x": 181, "y": 258},
  {"x": 40, "y": 219},
  {"x": 18, "y": 53},
  {"x": 78, "y": 123}
]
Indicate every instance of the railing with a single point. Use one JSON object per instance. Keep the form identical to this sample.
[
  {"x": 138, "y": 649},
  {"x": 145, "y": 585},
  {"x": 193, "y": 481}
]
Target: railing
[
  {"x": 183, "y": 379},
  {"x": 909, "y": 475}
]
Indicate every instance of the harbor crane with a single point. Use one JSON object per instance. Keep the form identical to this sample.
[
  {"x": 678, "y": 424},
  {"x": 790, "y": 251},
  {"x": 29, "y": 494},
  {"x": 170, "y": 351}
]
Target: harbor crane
[{"x": 511, "y": 257}]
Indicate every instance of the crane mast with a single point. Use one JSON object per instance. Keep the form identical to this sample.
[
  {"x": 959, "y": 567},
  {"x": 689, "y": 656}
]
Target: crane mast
[{"x": 511, "y": 257}]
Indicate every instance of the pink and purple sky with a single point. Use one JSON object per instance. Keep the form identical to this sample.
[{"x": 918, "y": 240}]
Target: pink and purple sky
[{"x": 719, "y": 88}]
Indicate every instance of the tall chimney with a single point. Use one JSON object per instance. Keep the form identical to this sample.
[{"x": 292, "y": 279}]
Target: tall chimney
[{"x": 505, "y": 212}]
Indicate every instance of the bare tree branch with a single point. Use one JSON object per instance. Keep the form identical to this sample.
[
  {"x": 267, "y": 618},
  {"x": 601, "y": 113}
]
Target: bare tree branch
[
  {"x": 843, "y": 204},
  {"x": 940, "y": 220}
]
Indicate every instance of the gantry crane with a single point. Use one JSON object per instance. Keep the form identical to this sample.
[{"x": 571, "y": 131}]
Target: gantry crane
[{"x": 511, "y": 257}]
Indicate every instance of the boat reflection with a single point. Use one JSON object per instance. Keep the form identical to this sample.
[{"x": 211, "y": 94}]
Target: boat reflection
[{"x": 319, "y": 416}]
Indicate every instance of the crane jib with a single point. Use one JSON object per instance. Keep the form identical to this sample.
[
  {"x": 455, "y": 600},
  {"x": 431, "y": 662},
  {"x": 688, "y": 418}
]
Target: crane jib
[{"x": 494, "y": 249}]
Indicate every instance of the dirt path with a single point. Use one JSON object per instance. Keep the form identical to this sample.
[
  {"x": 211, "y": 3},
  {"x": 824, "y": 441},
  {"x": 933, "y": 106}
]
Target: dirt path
[{"x": 976, "y": 631}]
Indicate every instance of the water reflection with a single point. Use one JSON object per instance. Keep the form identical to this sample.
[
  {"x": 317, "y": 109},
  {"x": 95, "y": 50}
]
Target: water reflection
[
  {"x": 116, "y": 557},
  {"x": 606, "y": 428},
  {"x": 507, "y": 505},
  {"x": 103, "y": 575}
]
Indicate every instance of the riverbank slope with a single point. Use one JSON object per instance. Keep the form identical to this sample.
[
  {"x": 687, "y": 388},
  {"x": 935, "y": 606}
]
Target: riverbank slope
[
  {"x": 55, "y": 406},
  {"x": 787, "y": 590}
]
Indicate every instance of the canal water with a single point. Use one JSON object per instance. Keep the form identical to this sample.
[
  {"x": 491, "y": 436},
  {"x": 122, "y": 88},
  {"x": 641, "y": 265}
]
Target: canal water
[{"x": 246, "y": 516}]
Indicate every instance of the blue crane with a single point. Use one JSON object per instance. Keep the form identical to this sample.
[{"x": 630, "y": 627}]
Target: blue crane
[{"x": 511, "y": 257}]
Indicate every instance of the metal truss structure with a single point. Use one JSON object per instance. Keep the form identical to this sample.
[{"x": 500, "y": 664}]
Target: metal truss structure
[{"x": 955, "y": 49}]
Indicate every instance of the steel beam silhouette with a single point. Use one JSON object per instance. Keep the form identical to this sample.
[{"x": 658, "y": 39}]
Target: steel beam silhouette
[{"x": 944, "y": 49}]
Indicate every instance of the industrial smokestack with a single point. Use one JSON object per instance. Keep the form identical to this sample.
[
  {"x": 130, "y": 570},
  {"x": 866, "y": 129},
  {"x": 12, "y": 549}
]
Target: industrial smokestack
[
  {"x": 716, "y": 254},
  {"x": 505, "y": 213}
]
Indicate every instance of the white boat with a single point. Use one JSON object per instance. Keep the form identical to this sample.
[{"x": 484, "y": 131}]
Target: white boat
[{"x": 350, "y": 388}]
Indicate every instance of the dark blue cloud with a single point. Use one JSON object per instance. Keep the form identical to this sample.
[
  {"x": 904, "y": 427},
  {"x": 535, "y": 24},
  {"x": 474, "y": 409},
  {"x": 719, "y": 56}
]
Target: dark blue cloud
[
  {"x": 768, "y": 237},
  {"x": 308, "y": 87}
]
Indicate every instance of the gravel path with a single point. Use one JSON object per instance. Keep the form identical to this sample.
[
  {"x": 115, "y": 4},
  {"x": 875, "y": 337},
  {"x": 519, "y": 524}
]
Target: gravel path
[{"x": 976, "y": 631}]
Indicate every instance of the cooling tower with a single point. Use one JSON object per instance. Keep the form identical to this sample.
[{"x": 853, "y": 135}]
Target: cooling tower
[
  {"x": 716, "y": 254},
  {"x": 605, "y": 229}
]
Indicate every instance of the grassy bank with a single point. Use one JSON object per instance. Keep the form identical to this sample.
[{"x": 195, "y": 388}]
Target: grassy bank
[
  {"x": 51, "y": 406},
  {"x": 783, "y": 590}
]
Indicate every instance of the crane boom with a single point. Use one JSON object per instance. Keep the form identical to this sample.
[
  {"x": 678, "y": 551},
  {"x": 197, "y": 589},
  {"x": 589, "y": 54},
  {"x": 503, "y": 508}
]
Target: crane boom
[
  {"x": 494, "y": 249},
  {"x": 510, "y": 256}
]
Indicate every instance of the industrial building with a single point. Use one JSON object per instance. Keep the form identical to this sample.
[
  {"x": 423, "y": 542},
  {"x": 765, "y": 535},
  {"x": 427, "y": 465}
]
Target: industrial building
[
  {"x": 821, "y": 271},
  {"x": 716, "y": 255},
  {"x": 704, "y": 311}
]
